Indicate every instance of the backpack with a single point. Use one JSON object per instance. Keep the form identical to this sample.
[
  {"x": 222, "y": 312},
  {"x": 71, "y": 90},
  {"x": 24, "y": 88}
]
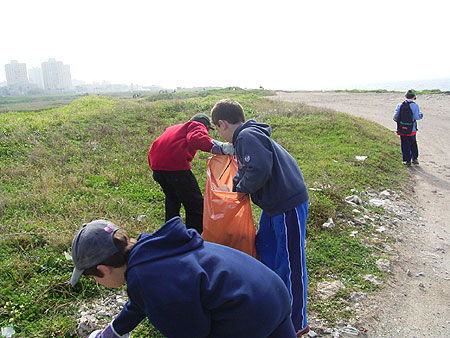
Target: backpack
[{"x": 405, "y": 121}]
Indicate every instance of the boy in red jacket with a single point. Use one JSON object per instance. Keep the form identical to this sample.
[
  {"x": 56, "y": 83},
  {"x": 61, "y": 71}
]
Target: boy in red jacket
[{"x": 169, "y": 158}]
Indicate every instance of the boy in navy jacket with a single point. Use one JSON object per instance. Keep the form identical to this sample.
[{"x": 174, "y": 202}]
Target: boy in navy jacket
[
  {"x": 186, "y": 287},
  {"x": 275, "y": 183}
]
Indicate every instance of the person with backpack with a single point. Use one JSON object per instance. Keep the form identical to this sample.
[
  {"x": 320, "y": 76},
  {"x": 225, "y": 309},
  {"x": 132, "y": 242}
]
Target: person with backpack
[{"x": 406, "y": 115}]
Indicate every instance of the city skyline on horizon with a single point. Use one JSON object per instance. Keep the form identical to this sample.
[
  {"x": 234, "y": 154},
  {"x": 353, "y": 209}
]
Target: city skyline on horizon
[{"x": 442, "y": 83}]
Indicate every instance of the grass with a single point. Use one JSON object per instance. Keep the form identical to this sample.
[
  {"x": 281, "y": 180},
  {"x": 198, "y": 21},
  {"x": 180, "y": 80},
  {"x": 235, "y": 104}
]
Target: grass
[{"x": 68, "y": 165}]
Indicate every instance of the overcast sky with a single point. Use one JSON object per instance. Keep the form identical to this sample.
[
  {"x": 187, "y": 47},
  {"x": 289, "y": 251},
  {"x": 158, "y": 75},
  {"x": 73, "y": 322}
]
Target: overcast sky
[{"x": 279, "y": 44}]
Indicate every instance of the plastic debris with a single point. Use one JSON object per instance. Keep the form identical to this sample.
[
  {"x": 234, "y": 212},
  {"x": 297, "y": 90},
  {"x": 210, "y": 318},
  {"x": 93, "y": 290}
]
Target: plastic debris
[
  {"x": 8, "y": 331},
  {"x": 67, "y": 256}
]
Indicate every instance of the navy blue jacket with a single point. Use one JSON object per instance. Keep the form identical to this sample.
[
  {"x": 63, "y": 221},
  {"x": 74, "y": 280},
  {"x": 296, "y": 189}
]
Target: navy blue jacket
[
  {"x": 266, "y": 170},
  {"x": 189, "y": 288}
]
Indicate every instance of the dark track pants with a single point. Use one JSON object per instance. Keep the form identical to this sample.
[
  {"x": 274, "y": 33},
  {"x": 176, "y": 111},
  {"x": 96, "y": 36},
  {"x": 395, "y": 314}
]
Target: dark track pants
[
  {"x": 410, "y": 151},
  {"x": 280, "y": 244},
  {"x": 181, "y": 187}
]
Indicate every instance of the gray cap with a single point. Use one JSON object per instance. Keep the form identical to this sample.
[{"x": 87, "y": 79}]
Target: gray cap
[
  {"x": 203, "y": 118},
  {"x": 92, "y": 244}
]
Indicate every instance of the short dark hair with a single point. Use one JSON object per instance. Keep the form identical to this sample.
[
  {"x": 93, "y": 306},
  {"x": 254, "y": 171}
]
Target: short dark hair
[
  {"x": 228, "y": 110},
  {"x": 124, "y": 243}
]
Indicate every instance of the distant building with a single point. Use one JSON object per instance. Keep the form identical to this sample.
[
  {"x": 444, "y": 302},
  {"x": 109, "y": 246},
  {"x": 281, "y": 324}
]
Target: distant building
[
  {"x": 35, "y": 75},
  {"x": 16, "y": 74},
  {"x": 56, "y": 76}
]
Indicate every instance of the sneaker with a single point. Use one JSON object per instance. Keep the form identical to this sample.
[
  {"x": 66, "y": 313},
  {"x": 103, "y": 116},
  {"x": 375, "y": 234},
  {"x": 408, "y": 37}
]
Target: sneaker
[
  {"x": 302, "y": 332},
  {"x": 416, "y": 161},
  {"x": 408, "y": 164}
]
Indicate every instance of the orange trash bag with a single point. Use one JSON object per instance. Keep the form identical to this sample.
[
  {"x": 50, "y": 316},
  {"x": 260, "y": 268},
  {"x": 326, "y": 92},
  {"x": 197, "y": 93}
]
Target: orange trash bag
[{"x": 227, "y": 215}]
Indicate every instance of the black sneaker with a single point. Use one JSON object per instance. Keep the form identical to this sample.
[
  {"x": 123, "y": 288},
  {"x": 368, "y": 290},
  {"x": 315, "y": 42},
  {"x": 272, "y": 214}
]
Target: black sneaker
[
  {"x": 408, "y": 164},
  {"x": 416, "y": 161}
]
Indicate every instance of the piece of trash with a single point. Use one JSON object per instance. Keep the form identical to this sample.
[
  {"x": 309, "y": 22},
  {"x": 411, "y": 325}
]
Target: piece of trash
[
  {"x": 328, "y": 224},
  {"x": 350, "y": 330},
  {"x": 8, "y": 331},
  {"x": 361, "y": 158},
  {"x": 67, "y": 256},
  {"x": 140, "y": 218}
]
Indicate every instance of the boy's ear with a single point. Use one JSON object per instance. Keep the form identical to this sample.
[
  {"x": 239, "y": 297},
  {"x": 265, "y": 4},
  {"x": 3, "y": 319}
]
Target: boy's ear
[
  {"x": 104, "y": 269},
  {"x": 222, "y": 124}
]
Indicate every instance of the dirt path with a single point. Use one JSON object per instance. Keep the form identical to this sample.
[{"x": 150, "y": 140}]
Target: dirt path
[{"x": 416, "y": 302}]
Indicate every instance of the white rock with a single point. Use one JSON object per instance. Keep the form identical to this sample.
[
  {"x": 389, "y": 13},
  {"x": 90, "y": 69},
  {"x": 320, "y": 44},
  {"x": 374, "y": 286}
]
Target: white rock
[
  {"x": 373, "y": 279},
  {"x": 327, "y": 290},
  {"x": 385, "y": 194},
  {"x": 376, "y": 202},
  {"x": 357, "y": 297},
  {"x": 384, "y": 265},
  {"x": 353, "y": 233},
  {"x": 354, "y": 200}
]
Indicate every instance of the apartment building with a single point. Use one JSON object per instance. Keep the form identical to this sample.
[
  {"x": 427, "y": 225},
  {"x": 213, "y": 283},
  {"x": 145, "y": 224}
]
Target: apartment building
[
  {"x": 16, "y": 74},
  {"x": 56, "y": 76},
  {"x": 35, "y": 76}
]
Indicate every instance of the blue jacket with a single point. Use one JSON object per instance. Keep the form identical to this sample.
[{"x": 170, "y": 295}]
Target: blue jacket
[
  {"x": 266, "y": 170},
  {"x": 189, "y": 288},
  {"x": 417, "y": 115}
]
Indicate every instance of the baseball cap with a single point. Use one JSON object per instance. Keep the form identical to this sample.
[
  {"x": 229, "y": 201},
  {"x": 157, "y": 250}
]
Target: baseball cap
[
  {"x": 92, "y": 244},
  {"x": 203, "y": 118}
]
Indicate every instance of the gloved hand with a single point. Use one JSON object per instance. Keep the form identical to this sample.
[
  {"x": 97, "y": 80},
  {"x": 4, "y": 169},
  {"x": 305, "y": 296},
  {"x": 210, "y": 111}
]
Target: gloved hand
[
  {"x": 227, "y": 148},
  {"x": 95, "y": 333},
  {"x": 222, "y": 148},
  {"x": 109, "y": 332}
]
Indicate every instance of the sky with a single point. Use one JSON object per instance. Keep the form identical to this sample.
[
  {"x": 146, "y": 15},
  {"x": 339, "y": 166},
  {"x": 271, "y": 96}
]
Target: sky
[{"x": 282, "y": 44}]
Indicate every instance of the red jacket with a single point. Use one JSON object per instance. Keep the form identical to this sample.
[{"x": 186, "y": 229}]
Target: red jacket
[{"x": 177, "y": 146}]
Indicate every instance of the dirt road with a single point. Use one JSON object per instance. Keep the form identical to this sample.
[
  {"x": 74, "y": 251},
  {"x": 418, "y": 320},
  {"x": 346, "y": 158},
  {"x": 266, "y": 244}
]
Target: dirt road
[{"x": 416, "y": 302}]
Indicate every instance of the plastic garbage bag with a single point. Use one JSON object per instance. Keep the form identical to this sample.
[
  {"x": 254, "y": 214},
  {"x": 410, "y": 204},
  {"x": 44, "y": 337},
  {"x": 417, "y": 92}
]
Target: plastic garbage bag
[
  {"x": 7, "y": 331},
  {"x": 227, "y": 215}
]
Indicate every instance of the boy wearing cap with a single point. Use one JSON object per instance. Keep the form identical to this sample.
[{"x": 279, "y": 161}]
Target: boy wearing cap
[
  {"x": 186, "y": 287},
  {"x": 169, "y": 158},
  {"x": 408, "y": 140},
  {"x": 275, "y": 182}
]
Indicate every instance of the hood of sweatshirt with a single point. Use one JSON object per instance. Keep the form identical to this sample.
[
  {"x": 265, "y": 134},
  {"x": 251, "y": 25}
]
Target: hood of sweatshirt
[
  {"x": 263, "y": 128},
  {"x": 171, "y": 239}
]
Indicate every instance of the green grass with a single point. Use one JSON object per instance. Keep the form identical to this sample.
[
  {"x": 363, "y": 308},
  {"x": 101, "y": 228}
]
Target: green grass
[{"x": 87, "y": 160}]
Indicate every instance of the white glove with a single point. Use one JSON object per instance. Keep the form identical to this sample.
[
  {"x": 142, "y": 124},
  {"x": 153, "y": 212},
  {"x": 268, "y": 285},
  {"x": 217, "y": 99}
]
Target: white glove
[
  {"x": 227, "y": 148},
  {"x": 94, "y": 333},
  {"x": 109, "y": 332},
  {"x": 222, "y": 148}
]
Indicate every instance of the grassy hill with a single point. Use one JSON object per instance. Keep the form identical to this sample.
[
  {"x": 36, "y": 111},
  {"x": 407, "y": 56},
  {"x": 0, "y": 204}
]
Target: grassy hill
[{"x": 87, "y": 160}]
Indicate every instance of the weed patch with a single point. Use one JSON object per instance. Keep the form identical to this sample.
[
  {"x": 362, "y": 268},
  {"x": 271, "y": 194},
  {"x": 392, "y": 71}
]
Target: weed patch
[{"x": 87, "y": 160}]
